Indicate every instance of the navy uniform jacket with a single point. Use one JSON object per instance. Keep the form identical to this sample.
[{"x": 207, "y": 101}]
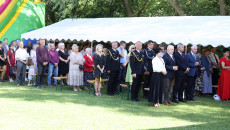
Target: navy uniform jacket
[
  {"x": 169, "y": 63},
  {"x": 137, "y": 62},
  {"x": 148, "y": 57},
  {"x": 113, "y": 60},
  {"x": 182, "y": 64}
]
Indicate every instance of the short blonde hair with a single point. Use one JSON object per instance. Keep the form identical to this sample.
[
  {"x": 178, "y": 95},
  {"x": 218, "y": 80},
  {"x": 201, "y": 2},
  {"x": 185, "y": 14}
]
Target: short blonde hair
[
  {"x": 74, "y": 46},
  {"x": 97, "y": 48}
]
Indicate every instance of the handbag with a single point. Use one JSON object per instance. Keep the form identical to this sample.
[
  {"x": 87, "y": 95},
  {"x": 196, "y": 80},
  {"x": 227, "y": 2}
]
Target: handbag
[
  {"x": 12, "y": 71},
  {"x": 81, "y": 67}
]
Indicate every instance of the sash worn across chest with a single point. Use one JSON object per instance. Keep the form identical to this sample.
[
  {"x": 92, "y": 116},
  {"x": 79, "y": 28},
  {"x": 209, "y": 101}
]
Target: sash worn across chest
[
  {"x": 113, "y": 57},
  {"x": 138, "y": 56}
]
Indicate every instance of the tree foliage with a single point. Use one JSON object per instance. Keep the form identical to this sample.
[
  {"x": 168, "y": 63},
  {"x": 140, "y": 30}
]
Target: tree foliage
[{"x": 57, "y": 10}]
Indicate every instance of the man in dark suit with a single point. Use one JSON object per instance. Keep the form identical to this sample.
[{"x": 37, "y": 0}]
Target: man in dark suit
[
  {"x": 113, "y": 68},
  {"x": 149, "y": 54},
  {"x": 170, "y": 65},
  {"x": 181, "y": 74},
  {"x": 137, "y": 67},
  {"x": 193, "y": 63}
]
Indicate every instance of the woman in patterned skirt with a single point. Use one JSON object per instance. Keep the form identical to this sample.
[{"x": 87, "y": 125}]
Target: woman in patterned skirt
[{"x": 75, "y": 76}]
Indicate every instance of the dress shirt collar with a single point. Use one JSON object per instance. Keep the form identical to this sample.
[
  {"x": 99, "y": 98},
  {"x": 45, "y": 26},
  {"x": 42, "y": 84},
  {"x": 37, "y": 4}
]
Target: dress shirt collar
[
  {"x": 192, "y": 53},
  {"x": 180, "y": 53}
]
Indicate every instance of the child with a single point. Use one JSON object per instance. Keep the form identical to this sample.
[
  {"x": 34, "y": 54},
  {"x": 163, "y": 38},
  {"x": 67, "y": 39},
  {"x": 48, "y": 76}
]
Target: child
[{"x": 32, "y": 70}]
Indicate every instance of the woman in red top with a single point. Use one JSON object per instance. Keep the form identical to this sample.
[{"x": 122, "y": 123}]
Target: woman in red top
[
  {"x": 88, "y": 67},
  {"x": 224, "y": 82},
  {"x": 11, "y": 62}
]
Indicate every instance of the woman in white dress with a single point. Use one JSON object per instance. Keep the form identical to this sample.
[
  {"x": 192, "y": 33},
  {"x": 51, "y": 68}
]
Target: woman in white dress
[{"x": 75, "y": 76}]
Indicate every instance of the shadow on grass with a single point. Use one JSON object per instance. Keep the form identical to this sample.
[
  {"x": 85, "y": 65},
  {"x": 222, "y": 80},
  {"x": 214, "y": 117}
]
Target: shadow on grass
[{"x": 204, "y": 110}]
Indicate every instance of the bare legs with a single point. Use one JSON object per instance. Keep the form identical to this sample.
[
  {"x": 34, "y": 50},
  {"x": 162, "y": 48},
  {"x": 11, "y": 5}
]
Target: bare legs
[
  {"x": 97, "y": 86},
  {"x": 3, "y": 68}
]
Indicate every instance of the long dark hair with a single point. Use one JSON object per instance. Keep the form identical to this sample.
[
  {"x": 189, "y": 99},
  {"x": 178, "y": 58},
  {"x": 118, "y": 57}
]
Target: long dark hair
[{"x": 10, "y": 54}]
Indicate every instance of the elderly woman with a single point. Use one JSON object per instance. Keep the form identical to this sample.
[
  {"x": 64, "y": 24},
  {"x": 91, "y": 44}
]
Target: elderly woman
[
  {"x": 129, "y": 77},
  {"x": 75, "y": 76},
  {"x": 99, "y": 61},
  {"x": 63, "y": 60},
  {"x": 88, "y": 67},
  {"x": 207, "y": 76}
]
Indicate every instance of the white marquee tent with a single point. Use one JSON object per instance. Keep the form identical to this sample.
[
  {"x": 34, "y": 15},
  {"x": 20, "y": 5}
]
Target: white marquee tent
[{"x": 203, "y": 30}]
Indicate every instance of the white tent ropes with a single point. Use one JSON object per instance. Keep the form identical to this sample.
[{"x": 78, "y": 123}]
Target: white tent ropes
[{"x": 203, "y": 30}]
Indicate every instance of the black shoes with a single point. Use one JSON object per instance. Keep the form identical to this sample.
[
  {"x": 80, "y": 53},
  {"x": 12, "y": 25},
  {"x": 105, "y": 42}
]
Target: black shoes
[
  {"x": 175, "y": 101},
  {"x": 136, "y": 100},
  {"x": 182, "y": 100},
  {"x": 145, "y": 97},
  {"x": 191, "y": 99},
  {"x": 110, "y": 94}
]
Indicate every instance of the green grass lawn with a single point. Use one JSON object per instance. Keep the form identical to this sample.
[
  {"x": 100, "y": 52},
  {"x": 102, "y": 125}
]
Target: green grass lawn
[{"x": 32, "y": 108}]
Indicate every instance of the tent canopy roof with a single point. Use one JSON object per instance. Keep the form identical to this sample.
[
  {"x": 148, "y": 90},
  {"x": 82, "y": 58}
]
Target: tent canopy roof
[{"x": 203, "y": 30}]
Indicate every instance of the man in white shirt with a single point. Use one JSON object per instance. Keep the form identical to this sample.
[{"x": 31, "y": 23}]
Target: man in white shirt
[
  {"x": 21, "y": 57},
  {"x": 214, "y": 58}
]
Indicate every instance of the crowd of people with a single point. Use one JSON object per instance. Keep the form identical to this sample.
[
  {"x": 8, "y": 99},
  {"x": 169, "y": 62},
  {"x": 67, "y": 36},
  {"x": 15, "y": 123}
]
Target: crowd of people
[{"x": 168, "y": 75}]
